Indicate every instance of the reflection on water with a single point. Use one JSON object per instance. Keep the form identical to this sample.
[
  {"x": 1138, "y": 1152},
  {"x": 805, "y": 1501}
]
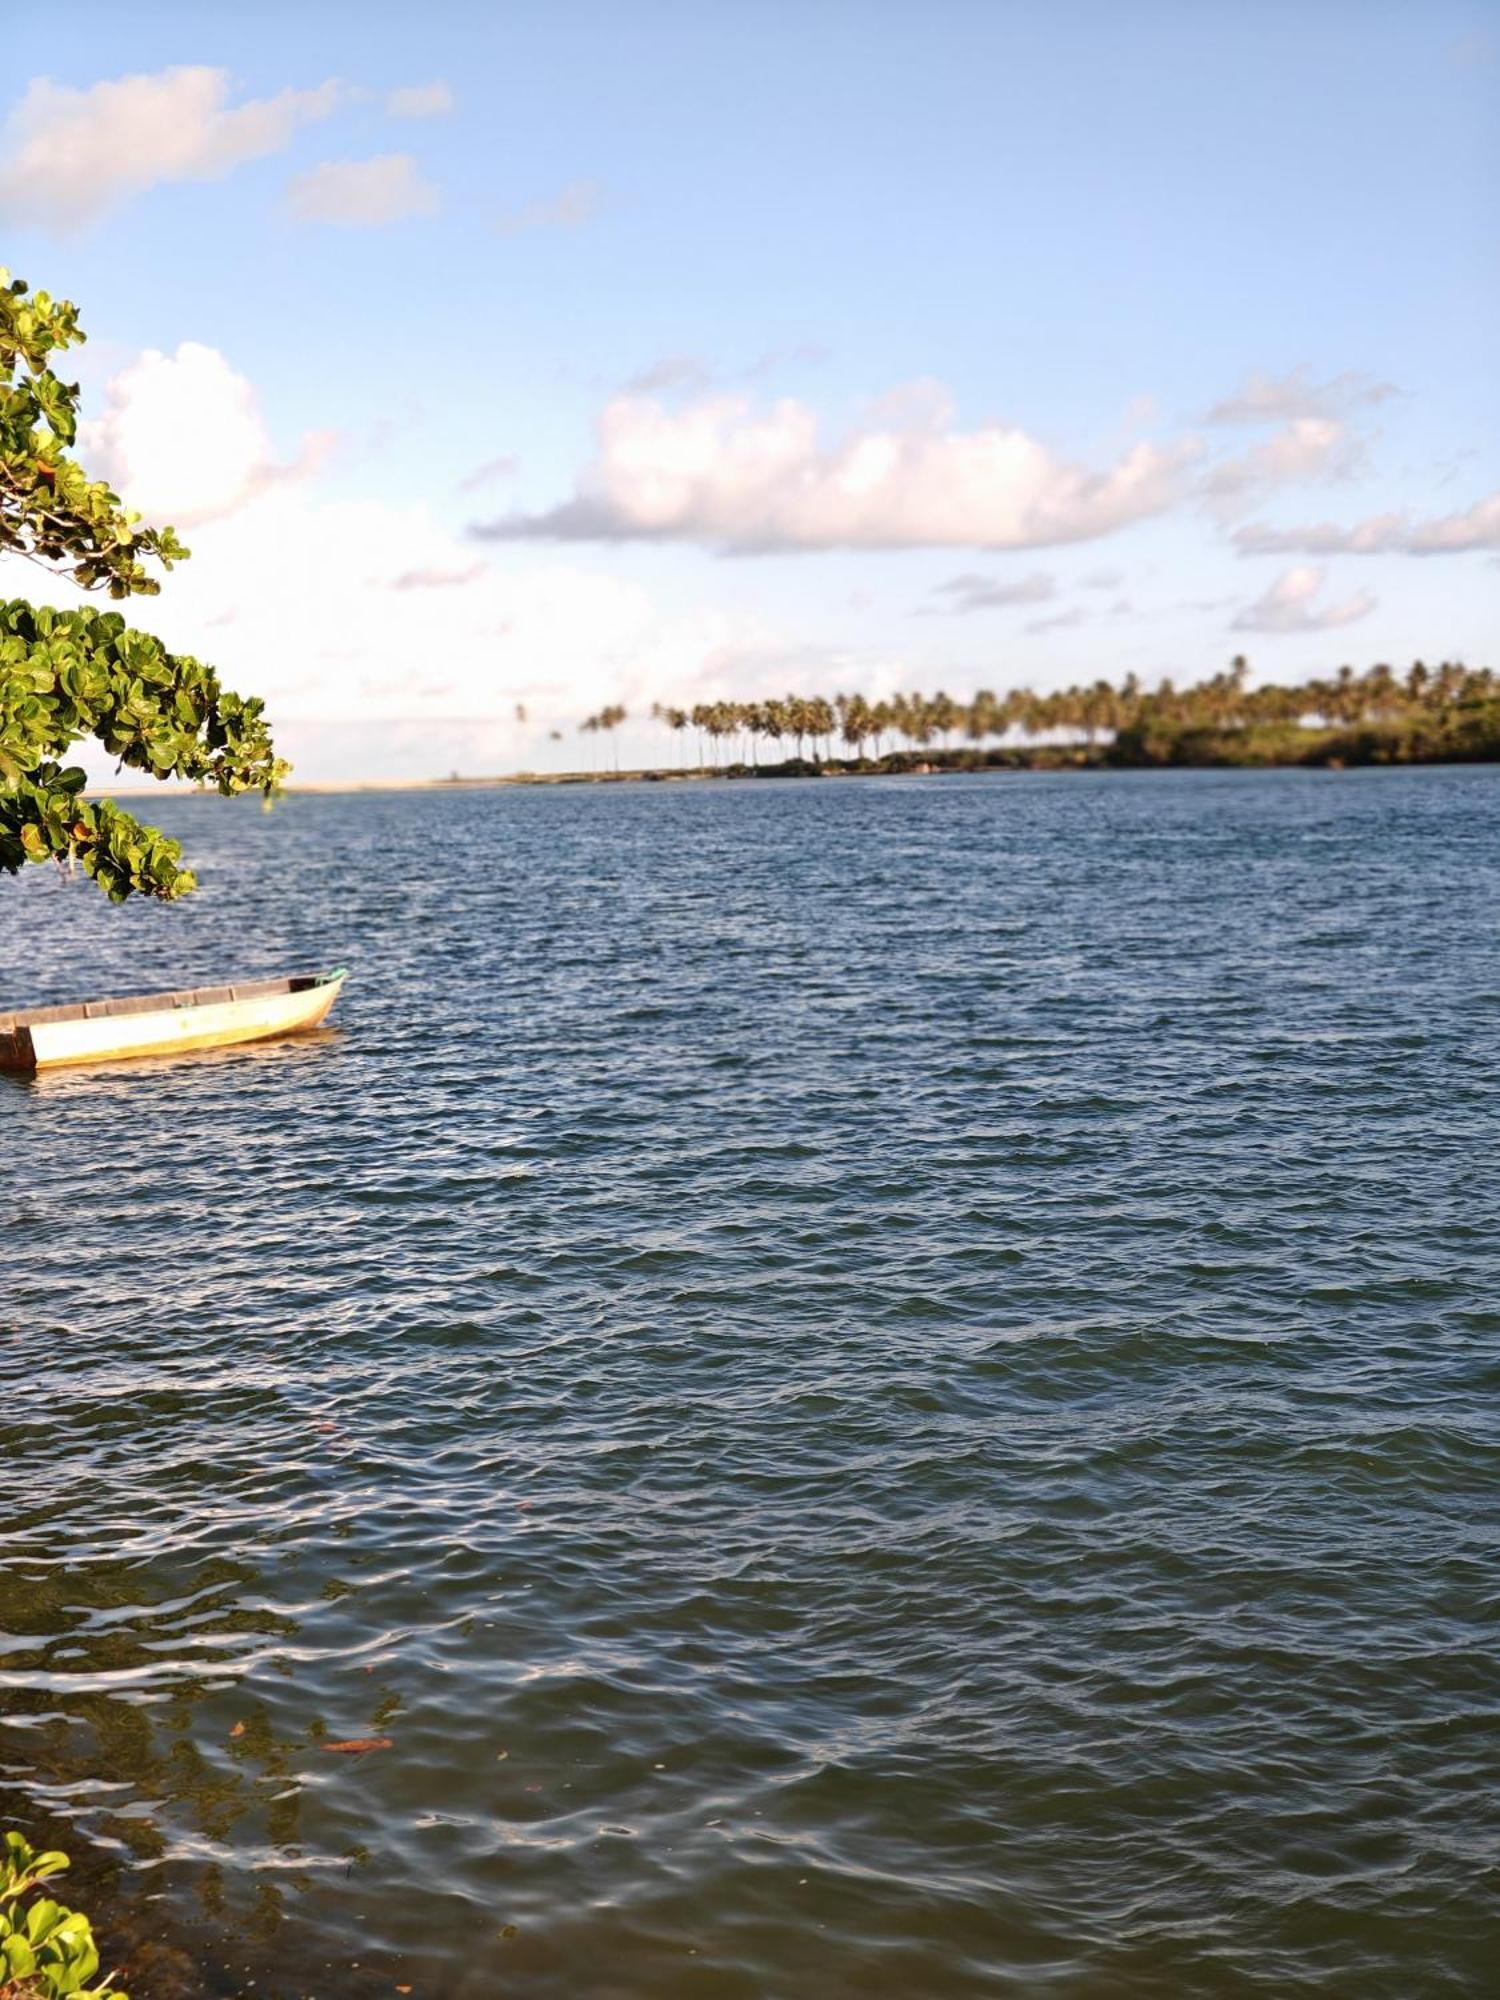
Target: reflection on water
[
  {"x": 101, "y": 1730},
  {"x": 879, "y": 1389},
  {"x": 74, "y": 1079}
]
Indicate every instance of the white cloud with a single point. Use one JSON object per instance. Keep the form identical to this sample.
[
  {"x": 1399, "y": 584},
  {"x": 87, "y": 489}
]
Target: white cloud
[
  {"x": 1307, "y": 448},
  {"x": 569, "y": 208},
  {"x": 70, "y": 156},
  {"x": 348, "y": 614},
  {"x": 983, "y": 593},
  {"x": 1277, "y": 399},
  {"x": 182, "y": 438},
  {"x": 1289, "y": 605},
  {"x": 1476, "y": 527},
  {"x": 419, "y": 100},
  {"x": 362, "y": 194},
  {"x": 379, "y": 612},
  {"x": 1060, "y": 621},
  {"x": 357, "y": 624},
  {"x": 717, "y": 472}
]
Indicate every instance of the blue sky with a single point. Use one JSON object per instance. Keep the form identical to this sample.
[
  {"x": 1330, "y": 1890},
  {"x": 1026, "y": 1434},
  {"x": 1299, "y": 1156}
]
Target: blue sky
[{"x": 774, "y": 347}]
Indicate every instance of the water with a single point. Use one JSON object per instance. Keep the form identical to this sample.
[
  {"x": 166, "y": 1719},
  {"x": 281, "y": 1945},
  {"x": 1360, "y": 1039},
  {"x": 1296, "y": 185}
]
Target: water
[{"x": 884, "y": 1389}]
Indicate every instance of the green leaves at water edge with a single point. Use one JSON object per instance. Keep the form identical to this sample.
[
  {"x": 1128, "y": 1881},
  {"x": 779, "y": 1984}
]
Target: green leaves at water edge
[
  {"x": 45, "y": 1943},
  {"x": 23, "y": 1868}
]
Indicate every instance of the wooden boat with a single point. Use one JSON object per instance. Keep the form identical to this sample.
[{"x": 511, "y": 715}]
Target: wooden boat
[{"x": 154, "y": 1024}]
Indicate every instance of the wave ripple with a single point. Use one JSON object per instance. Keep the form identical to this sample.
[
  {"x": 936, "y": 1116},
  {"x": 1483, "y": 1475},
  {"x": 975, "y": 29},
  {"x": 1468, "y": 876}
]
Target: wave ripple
[{"x": 881, "y": 1388}]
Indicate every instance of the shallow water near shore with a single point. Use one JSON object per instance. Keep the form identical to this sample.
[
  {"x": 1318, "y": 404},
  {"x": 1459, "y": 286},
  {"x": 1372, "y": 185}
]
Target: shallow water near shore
[{"x": 881, "y": 1389}]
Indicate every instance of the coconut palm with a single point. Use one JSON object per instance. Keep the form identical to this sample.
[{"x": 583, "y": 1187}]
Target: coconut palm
[
  {"x": 609, "y": 720},
  {"x": 854, "y": 721}
]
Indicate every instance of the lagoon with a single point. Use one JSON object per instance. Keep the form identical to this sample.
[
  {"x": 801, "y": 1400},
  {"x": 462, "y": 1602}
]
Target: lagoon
[{"x": 879, "y": 1389}]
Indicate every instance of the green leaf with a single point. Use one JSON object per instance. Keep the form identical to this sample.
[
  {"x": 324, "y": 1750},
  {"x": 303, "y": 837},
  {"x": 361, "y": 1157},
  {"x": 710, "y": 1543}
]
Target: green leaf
[{"x": 20, "y": 1959}]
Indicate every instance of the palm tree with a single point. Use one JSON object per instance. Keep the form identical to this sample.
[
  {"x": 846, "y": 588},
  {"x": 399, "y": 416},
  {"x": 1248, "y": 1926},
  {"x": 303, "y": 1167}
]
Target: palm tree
[
  {"x": 916, "y": 718},
  {"x": 1381, "y": 693},
  {"x": 982, "y": 720},
  {"x": 944, "y": 716},
  {"x": 1128, "y": 707},
  {"x": 609, "y": 720},
  {"x": 773, "y": 721},
  {"x": 676, "y": 719},
  {"x": 854, "y": 722},
  {"x": 821, "y": 723}
]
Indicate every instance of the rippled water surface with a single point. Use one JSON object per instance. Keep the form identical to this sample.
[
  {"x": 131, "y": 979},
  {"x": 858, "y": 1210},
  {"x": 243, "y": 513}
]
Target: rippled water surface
[{"x": 883, "y": 1389}]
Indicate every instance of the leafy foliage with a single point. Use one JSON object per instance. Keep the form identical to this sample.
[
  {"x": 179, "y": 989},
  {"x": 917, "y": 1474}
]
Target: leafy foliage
[
  {"x": 45, "y": 1950},
  {"x": 67, "y": 675}
]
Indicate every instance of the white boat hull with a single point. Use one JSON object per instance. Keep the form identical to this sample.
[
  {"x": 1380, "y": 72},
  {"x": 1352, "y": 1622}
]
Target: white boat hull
[{"x": 207, "y": 1017}]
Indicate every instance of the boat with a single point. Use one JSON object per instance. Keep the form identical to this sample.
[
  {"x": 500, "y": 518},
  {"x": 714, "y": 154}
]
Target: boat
[{"x": 155, "y": 1024}]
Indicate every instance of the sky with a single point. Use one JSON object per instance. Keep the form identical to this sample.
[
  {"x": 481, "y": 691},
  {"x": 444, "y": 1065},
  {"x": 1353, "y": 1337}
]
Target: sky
[{"x": 498, "y": 358}]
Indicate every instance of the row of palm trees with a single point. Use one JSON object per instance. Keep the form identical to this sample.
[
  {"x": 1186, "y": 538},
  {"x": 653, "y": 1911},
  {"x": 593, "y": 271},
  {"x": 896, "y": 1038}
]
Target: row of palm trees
[{"x": 822, "y": 727}]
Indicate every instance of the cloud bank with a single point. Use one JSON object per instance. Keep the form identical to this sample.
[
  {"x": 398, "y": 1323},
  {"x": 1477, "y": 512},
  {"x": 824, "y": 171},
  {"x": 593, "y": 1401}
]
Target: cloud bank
[
  {"x": 1296, "y": 397},
  {"x": 374, "y": 610},
  {"x": 1476, "y": 527},
  {"x": 718, "y": 473}
]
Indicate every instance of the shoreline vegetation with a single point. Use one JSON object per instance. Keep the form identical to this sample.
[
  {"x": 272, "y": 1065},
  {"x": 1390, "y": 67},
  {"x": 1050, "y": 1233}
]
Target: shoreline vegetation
[
  {"x": 1448, "y": 714},
  {"x": 47, "y": 1951}
]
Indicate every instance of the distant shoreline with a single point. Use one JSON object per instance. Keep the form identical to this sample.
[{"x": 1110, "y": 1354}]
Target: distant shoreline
[{"x": 1325, "y": 750}]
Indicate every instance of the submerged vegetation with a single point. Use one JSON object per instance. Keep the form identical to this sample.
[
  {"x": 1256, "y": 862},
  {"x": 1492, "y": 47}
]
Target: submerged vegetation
[
  {"x": 1449, "y": 713},
  {"x": 47, "y": 1952}
]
